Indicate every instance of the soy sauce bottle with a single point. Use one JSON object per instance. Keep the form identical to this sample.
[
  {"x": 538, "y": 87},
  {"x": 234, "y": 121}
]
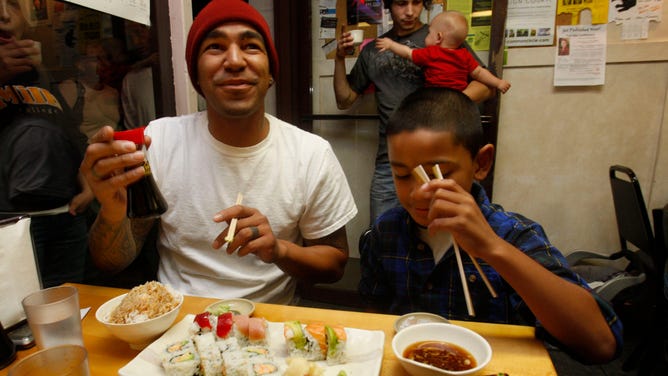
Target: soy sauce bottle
[{"x": 144, "y": 197}]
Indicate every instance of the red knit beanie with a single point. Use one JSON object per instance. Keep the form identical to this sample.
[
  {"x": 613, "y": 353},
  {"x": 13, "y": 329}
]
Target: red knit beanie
[{"x": 213, "y": 15}]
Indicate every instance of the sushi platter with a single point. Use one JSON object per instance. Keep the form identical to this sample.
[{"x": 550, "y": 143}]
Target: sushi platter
[{"x": 363, "y": 352}]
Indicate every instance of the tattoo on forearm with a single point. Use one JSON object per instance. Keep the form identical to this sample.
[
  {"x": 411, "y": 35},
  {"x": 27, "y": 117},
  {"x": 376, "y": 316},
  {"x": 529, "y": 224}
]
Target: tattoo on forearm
[{"x": 115, "y": 246}]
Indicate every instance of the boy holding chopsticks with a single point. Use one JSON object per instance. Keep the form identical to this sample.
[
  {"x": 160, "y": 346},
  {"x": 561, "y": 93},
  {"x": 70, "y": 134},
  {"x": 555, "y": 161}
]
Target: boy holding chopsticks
[{"x": 409, "y": 262}]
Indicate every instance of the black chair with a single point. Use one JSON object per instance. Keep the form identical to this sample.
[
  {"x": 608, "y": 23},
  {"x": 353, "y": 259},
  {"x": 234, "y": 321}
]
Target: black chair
[
  {"x": 634, "y": 228},
  {"x": 650, "y": 357}
]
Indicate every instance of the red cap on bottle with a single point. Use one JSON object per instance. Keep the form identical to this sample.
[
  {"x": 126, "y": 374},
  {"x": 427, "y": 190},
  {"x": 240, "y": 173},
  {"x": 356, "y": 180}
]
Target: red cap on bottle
[{"x": 135, "y": 135}]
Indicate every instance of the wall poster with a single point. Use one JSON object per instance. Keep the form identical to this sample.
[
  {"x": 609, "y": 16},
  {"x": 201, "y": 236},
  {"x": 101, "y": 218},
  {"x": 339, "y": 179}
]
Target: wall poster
[
  {"x": 479, "y": 15},
  {"x": 133, "y": 10},
  {"x": 580, "y": 56},
  {"x": 530, "y": 23},
  {"x": 369, "y": 11}
]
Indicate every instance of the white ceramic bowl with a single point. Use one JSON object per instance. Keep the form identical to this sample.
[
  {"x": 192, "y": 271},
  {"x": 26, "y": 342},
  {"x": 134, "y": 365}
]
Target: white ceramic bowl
[
  {"x": 238, "y": 306},
  {"x": 467, "y": 339},
  {"x": 415, "y": 318},
  {"x": 141, "y": 334}
]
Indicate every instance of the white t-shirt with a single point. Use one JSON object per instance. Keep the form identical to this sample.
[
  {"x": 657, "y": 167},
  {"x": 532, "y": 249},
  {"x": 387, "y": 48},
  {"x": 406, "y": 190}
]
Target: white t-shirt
[
  {"x": 439, "y": 243},
  {"x": 292, "y": 177}
]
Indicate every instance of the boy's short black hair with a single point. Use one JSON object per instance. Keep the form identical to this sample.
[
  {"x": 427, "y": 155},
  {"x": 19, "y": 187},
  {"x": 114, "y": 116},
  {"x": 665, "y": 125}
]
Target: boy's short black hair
[
  {"x": 440, "y": 109},
  {"x": 388, "y": 3}
]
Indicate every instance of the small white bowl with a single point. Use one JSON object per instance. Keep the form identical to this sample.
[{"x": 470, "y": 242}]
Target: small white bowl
[
  {"x": 238, "y": 306},
  {"x": 465, "y": 338},
  {"x": 414, "y": 318},
  {"x": 141, "y": 334}
]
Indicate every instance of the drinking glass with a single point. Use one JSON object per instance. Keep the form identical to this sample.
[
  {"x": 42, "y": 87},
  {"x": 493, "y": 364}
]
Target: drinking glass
[
  {"x": 54, "y": 316},
  {"x": 63, "y": 360}
]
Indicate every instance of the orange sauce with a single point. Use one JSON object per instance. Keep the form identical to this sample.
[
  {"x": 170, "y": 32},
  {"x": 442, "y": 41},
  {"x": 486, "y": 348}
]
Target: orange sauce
[{"x": 440, "y": 354}]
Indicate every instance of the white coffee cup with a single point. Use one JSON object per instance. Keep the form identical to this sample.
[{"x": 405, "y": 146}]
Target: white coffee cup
[{"x": 358, "y": 36}]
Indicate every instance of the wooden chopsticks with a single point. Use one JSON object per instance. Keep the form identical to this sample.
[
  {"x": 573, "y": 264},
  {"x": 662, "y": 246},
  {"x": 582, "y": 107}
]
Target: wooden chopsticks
[
  {"x": 421, "y": 175},
  {"x": 233, "y": 223}
]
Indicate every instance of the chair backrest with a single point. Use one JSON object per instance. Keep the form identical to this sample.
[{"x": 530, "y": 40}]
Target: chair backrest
[
  {"x": 660, "y": 217},
  {"x": 632, "y": 217}
]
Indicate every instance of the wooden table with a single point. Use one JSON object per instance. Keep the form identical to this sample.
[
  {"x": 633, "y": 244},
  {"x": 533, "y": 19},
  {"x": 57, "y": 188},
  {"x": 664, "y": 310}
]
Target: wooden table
[{"x": 515, "y": 349}]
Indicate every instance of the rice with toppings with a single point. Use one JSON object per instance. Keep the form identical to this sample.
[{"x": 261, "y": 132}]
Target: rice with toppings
[{"x": 145, "y": 302}]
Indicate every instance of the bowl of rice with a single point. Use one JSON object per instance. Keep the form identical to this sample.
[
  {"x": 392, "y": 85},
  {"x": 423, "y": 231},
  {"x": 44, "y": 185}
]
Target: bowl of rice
[{"x": 142, "y": 315}]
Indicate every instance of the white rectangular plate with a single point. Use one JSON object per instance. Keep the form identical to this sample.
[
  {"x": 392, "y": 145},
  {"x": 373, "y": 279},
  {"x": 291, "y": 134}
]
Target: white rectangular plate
[{"x": 364, "y": 351}]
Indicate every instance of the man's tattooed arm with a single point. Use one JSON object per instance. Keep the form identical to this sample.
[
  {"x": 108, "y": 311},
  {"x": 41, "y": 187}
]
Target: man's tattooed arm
[{"x": 113, "y": 246}]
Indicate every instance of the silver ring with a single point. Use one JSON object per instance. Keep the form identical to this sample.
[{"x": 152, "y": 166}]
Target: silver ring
[{"x": 255, "y": 232}]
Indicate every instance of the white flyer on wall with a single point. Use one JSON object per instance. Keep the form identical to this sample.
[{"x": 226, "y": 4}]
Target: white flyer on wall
[
  {"x": 133, "y": 10},
  {"x": 530, "y": 23},
  {"x": 580, "y": 55}
]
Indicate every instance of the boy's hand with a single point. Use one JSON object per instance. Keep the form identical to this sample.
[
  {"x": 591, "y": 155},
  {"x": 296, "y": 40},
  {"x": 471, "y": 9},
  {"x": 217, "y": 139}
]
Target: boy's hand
[
  {"x": 503, "y": 86},
  {"x": 454, "y": 210}
]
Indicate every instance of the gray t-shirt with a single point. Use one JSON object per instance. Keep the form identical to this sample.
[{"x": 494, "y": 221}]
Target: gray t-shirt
[{"x": 394, "y": 77}]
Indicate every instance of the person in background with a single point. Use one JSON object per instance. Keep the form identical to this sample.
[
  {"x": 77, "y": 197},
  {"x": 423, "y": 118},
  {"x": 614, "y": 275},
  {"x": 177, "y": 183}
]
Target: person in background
[
  {"x": 393, "y": 78},
  {"x": 39, "y": 155},
  {"x": 114, "y": 63},
  {"x": 408, "y": 262},
  {"x": 93, "y": 103},
  {"x": 446, "y": 63},
  {"x": 296, "y": 200},
  {"x": 137, "y": 94}
]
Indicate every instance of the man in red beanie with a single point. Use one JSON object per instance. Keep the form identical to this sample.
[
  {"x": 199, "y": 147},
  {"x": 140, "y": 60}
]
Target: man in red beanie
[{"x": 296, "y": 200}]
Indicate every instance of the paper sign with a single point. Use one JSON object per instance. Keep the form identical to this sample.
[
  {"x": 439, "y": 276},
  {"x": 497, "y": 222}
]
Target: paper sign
[
  {"x": 580, "y": 59},
  {"x": 133, "y": 10}
]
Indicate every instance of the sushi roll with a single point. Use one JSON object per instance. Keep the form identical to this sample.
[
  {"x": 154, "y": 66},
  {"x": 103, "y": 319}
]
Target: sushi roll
[
  {"x": 264, "y": 367},
  {"x": 336, "y": 344},
  {"x": 250, "y": 330},
  {"x": 257, "y": 331},
  {"x": 317, "y": 332},
  {"x": 236, "y": 363},
  {"x": 180, "y": 359},
  {"x": 211, "y": 362},
  {"x": 202, "y": 323},
  {"x": 224, "y": 324},
  {"x": 256, "y": 351},
  {"x": 250, "y": 361},
  {"x": 228, "y": 344},
  {"x": 301, "y": 343}
]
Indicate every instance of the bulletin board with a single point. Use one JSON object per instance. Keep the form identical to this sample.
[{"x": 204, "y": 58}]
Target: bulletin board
[{"x": 366, "y": 23}]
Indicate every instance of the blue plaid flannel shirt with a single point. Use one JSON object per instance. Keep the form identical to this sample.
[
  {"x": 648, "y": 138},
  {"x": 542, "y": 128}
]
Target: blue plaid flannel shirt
[{"x": 399, "y": 274}]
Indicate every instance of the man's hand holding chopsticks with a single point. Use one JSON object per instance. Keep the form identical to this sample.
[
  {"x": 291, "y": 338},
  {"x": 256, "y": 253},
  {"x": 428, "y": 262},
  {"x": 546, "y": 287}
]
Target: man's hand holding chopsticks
[{"x": 252, "y": 233}]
